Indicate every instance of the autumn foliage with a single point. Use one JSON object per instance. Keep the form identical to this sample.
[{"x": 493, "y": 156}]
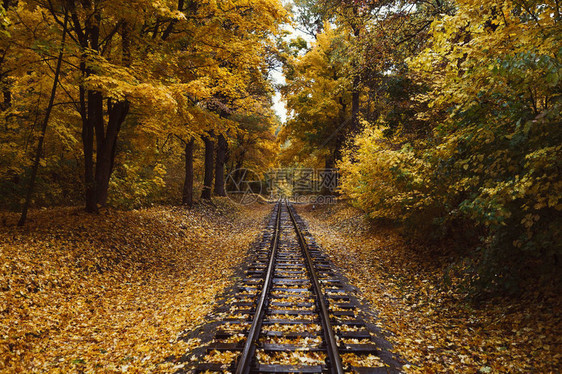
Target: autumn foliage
[
  {"x": 442, "y": 116},
  {"x": 138, "y": 81},
  {"x": 459, "y": 114},
  {"x": 118, "y": 298},
  {"x": 491, "y": 162}
]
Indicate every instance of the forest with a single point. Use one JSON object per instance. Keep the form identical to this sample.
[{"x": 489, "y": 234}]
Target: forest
[
  {"x": 450, "y": 113},
  {"x": 125, "y": 123}
]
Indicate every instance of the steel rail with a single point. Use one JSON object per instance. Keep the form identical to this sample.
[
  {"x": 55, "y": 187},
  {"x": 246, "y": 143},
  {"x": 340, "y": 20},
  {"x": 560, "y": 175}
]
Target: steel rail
[
  {"x": 334, "y": 365},
  {"x": 245, "y": 361}
]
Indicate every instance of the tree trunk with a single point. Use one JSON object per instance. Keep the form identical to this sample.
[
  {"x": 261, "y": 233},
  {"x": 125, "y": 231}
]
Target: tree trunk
[
  {"x": 91, "y": 104},
  {"x": 126, "y": 43},
  {"x": 97, "y": 174},
  {"x": 94, "y": 103},
  {"x": 44, "y": 128},
  {"x": 235, "y": 180},
  {"x": 88, "y": 145},
  {"x": 7, "y": 93},
  {"x": 329, "y": 166},
  {"x": 208, "y": 178},
  {"x": 187, "y": 195},
  {"x": 106, "y": 149},
  {"x": 106, "y": 138},
  {"x": 222, "y": 148}
]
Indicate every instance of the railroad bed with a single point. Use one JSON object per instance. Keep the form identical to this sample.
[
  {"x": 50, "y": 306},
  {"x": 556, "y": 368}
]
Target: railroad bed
[{"x": 291, "y": 313}]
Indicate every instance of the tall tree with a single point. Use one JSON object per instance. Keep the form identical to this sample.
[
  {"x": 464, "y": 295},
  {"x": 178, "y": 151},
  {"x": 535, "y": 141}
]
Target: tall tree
[
  {"x": 486, "y": 95},
  {"x": 44, "y": 125},
  {"x": 209, "y": 166},
  {"x": 222, "y": 150},
  {"x": 187, "y": 194},
  {"x": 131, "y": 77},
  {"x": 95, "y": 26},
  {"x": 318, "y": 94}
]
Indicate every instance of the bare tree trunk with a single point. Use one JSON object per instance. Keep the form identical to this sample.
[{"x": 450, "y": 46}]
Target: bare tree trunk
[
  {"x": 88, "y": 144},
  {"x": 187, "y": 195},
  {"x": 91, "y": 104},
  {"x": 107, "y": 140},
  {"x": 208, "y": 178},
  {"x": 7, "y": 102},
  {"x": 93, "y": 101},
  {"x": 97, "y": 173},
  {"x": 222, "y": 148},
  {"x": 238, "y": 168},
  {"x": 329, "y": 165},
  {"x": 39, "y": 149},
  {"x": 106, "y": 150}
]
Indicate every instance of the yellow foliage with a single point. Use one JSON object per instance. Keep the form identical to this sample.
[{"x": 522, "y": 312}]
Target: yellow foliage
[
  {"x": 383, "y": 176},
  {"x": 116, "y": 298},
  {"x": 493, "y": 157}
]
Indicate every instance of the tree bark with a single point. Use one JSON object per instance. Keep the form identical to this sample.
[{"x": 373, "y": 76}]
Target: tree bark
[
  {"x": 7, "y": 93},
  {"x": 222, "y": 148},
  {"x": 94, "y": 124},
  {"x": 93, "y": 100},
  {"x": 237, "y": 170},
  {"x": 94, "y": 130},
  {"x": 187, "y": 195},
  {"x": 97, "y": 173},
  {"x": 88, "y": 145},
  {"x": 89, "y": 100},
  {"x": 106, "y": 151},
  {"x": 126, "y": 43},
  {"x": 106, "y": 138},
  {"x": 208, "y": 178},
  {"x": 39, "y": 149},
  {"x": 329, "y": 164}
]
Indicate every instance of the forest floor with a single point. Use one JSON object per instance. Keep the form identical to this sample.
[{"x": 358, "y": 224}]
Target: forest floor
[
  {"x": 435, "y": 327},
  {"x": 113, "y": 292}
]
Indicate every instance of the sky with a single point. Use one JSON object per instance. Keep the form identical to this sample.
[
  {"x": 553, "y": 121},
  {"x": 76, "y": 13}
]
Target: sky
[
  {"x": 277, "y": 75},
  {"x": 278, "y": 104}
]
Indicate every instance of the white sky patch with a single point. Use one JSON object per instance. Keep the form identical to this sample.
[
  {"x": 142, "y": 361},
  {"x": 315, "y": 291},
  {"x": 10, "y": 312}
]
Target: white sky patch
[
  {"x": 278, "y": 104},
  {"x": 279, "y": 79}
]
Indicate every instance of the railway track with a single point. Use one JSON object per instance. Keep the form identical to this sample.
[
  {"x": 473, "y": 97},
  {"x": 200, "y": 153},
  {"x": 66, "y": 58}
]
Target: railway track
[{"x": 291, "y": 313}]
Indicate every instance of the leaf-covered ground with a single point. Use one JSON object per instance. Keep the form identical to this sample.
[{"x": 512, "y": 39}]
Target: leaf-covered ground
[
  {"x": 112, "y": 292},
  {"x": 432, "y": 326}
]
